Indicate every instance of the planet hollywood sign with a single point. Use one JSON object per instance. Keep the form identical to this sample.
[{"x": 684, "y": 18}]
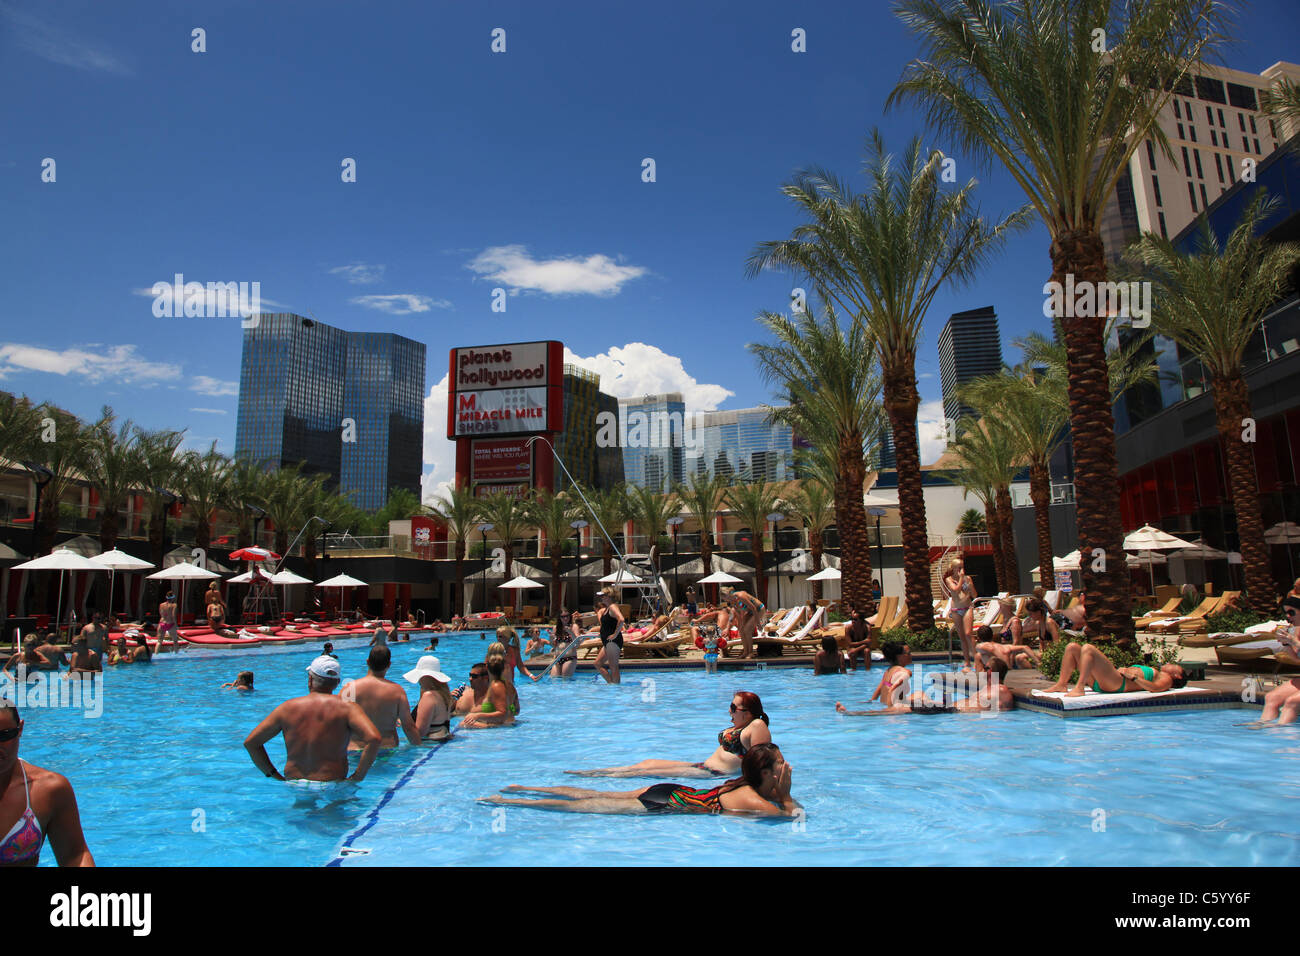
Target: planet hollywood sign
[{"x": 504, "y": 389}]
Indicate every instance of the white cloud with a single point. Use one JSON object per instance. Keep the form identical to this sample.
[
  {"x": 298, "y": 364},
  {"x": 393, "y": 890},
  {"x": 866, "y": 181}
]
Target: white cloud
[
  {"x": 206, "y": 385},
  {"x": 58, "y": 46},
  {"x": 513, "y": 266},
  {"x": 638, "y": 369},
  {"x": 439, "y": 450},
  {"x": 931, "y": 430},
  {"x": 360, "y": 273},
  {"x": 404, "y": 303},
  {"x": 116, "y": 362},
  {"x": 215, "y": 301},
  {"x": 210, "y": 411}
]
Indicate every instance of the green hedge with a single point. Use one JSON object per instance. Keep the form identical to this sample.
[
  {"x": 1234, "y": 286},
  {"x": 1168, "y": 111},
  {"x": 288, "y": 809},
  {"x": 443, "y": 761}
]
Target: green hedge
[
  {"x": 1234, "y": 619},
  {"x": 1158, "y": 650},
  {"x": 932, "y": 639}
]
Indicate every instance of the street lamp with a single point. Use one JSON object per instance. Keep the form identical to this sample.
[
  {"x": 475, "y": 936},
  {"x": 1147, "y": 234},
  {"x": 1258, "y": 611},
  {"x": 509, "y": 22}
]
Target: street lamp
[
  {"x": 485, "y": 528},
  {"x": 675, "y": 522},
  {"x": 259, "y": 515},
  {"x": 577, "y": 527},
  {"x": 776, "y": 517},
  {"x": 44, "y": 477},
  {"x": 879, "y": 513}
]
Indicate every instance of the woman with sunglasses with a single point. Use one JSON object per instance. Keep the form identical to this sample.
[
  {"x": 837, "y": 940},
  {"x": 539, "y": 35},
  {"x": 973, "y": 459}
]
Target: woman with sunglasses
[
  {"x": 35, "y": 803},
  {"x": 487, "y": 703},
  {"x": 749, "y": 728},
  {"x": 1283, "y": 703},
  {"x": 763, "y": 788}
]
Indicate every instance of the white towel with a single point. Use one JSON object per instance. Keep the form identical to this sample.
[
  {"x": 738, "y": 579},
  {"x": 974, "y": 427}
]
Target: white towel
[{"x": 1093, "y": 699}]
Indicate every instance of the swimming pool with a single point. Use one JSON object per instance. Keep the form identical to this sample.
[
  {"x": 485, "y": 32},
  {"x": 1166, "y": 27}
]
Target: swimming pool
[{"x": 162, "y": 777}]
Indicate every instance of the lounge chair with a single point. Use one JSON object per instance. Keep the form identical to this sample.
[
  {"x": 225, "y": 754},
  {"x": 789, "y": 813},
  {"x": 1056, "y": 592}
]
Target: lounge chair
[
  {"x": 898, "y": 620},
  {"x": 801, "y": 638},
  {"x": 1266, "y": 653},
  {"x": 1217, "y": 639},
  {"x": 1053, "y": 600},
  {"x": 1170, "y": 609},
  {"x": 1194, "y": 620},
  {"x": 782, "y": 621},
  {"x": 884, "y": 611}
]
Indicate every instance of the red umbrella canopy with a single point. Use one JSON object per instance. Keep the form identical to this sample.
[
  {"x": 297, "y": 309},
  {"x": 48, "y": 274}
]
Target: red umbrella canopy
[{"x": 254, "y": 554}]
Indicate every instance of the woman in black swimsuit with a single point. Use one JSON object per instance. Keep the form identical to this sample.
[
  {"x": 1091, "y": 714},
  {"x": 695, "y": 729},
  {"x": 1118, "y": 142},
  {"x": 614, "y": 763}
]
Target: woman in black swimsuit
[
  {"x": 611, "y": 638},
  {"x": 560, "y": 641},
  {"x": 749, "y": 728}
]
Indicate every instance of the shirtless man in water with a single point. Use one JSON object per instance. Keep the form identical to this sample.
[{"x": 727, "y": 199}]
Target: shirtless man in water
[
  {"x": 383, "y": 701},
  {"x": 317, "y": 729}
]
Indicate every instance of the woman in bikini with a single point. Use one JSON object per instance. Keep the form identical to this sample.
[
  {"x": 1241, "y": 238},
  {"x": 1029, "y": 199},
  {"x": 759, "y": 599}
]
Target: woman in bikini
[
  {"x": 749, "y": 728},
  {"x": 763, "y": 788},
  {"x": 35, "y": 803},
  {"x": 961, "y": 590},
  {"x": 750, "y": 615},
  {"x": 509, "y": 638},
  {"x": 894, "y": 689},
  {"x": 496, "y": 710},
  {"x": 1096, "y": 671}
]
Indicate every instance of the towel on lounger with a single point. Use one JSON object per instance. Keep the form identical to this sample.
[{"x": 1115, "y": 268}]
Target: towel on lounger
[{"x": 1093, "y": 699}]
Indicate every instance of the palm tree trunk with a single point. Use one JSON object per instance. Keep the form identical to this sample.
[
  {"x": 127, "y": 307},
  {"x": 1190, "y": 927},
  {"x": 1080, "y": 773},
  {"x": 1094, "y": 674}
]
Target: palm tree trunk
[
  {"x": 1231, "y": 405},
  {"x": 1092, "y": 429},
  {"x": 203, "y": 532},
  {"x": 851, "y": 522},
  {"x": 1007, "y": 532},
  {"x": 760, "y": 578},
  {"x": 1040, "y": 492},
  {"x": 108, "y": 530},
  {"x": 901, "y": 401},
  {"x": 608, "y": 555},
  {"x": 995, "y": 539},
  {"x": 815, "y": 545}
]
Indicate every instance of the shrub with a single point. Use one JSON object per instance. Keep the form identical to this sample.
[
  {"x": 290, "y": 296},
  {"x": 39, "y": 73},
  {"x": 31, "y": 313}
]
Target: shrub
[
  {"x": 931, "y": 639},
  {"x": 1235, "y": 619}
]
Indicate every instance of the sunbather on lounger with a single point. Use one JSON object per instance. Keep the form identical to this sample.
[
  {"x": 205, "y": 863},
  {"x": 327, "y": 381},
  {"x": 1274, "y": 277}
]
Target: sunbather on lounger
[{"x": 1096, "y": 671}]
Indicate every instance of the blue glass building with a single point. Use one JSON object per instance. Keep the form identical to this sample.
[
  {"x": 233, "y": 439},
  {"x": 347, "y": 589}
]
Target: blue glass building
[
  {"x": 652, "y": 436},
  {"x": 740, "y": 444},
  {"x": 348, "y": 405}
]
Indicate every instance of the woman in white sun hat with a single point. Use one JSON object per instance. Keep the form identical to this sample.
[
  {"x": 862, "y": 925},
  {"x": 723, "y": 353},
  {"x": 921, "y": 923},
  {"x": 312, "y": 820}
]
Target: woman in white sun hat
[{"x": 432, "y": 712}]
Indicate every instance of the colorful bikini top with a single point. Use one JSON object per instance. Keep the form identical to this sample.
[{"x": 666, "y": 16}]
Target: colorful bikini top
[
  {"x": 729, "y": 740},
  {"x": 22, "y": 844}
]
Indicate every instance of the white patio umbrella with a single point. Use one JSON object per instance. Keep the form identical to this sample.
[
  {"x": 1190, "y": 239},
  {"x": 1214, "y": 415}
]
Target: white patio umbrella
[
  {"x": 115, "y": 561},
  {"x": 284, "y": 579},
  {"x": 721, "y": 577},
  {"x": 1199, "y": 550},
  {"x": 1068, "y": 563},
  {"x": 622, "y": 576},
  {"x": 1284, "y": 532},
  {"x": 342, "y": 581},
  {"x": 518, "y": 584},
  {"x": 183, "y": 572},
  {"x": 244, "y": 578},
  {"x": 1147, "y": 538},
  {"x": 61, "y": 560},
  {"x": 825, "y": 574}
]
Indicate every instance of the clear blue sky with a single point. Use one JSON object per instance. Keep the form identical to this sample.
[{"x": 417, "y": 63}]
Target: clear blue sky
[{"x": 474, "y": 170}]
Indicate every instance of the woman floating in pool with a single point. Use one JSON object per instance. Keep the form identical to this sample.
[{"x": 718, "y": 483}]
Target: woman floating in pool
[
  {"x": 1096, "y": 671},
  {"x": 35, "y": 803},
  {"x": 763, "y": 789},
  {"x": 749, "y": 728}
]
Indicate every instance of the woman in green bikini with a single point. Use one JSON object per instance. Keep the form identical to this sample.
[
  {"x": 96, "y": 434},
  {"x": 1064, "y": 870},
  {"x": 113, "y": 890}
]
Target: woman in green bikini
[
  {"x": 1096, "y": 671},
  {"x": 763, "y": 789},
  {"x": 486, "y": 706}
]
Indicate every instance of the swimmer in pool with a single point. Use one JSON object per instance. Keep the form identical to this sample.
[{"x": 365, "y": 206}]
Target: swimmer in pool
[
  {"x": 749, "y": 728},
  {"x": 762, "y": 789},
  {"x": 243, "y": 681},
  {"x": 383, "y": 701},
  {"x": 317, "y": 728}
]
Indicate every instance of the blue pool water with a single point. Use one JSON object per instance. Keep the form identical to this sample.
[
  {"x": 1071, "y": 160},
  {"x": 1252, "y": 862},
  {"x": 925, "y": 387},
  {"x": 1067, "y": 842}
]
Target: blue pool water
[{"x": 162, "y": 777}]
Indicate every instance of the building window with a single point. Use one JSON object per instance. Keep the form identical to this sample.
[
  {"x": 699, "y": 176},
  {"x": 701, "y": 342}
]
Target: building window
[
  {"x": 1242, "y": 97},
  {"x": 1191, "y": 194},
  {"x": 1242, "y": 120},
  {"x": 1227, "y": 161},
  {"x": 1178, "y": 114},
  {"x": 1205, "y": 202},
  {"x": 1151, "y": 157},
  {"x": 1253, "y": 131},
  {"x": 1257, "y": 150},
  {"x": 1164, "y": 233},
  {"x": 1218, "y": 165},
  {"x": 1214, "y": 138},
  {"x": 1197, "y": 154},
  {"x": 1222, "y": 124},
  {"x": 1245, "y": 146},
  {"x": 1155, "y": 183},
  {"x": 1187, "y": 163},
  {"x": 1209, "y": 116},
  {"x": 1272, "y": 128},
  {"x": 1181, "y": 134}
]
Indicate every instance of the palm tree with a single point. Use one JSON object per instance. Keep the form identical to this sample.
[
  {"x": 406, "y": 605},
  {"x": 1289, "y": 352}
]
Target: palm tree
[
  {"x": 881, "y": 258},
  {"x": 1212, "y": 302},
  {"x": 243, "y": 485},
  {"x": 279, "y": 496},
  {"x": 461, "y": 512},
  {"x": 831, "y": 397},
  {"x": 813, "y": 503},
  {"x": 60, "y": 449},
  {"x": 701, "y": 496},
  {"x": 612, "y": 509},
  {"x": 509, "y": 518},
  {"x": 1282, "y": 101},
  {"x": 651, "y": 511},
  {"x": 1028, "y": 83},
  {"x": 552, "y": 513},
  {"x": 318, "y": 501},
  {"x": 203, "y": 481},
  {"x": 987, "y": 464},
  {"x": 20, "y": 426},
  {"x": 111, "y": 467},
  {"x": 751, "y": 503}
]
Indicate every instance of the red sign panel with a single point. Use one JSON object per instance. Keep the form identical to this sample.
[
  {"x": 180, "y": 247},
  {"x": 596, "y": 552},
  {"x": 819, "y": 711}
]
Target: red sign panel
[{"x": 505, "y": 460}]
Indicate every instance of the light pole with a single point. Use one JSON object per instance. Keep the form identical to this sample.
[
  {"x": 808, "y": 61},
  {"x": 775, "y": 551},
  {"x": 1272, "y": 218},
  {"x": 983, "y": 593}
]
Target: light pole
[
  {"x": 675, "y": 522},
  {"x": 879, "y": 513},
  {"x": 485, "y": 528},
  {"x": 775, "y": 517},
  {"x": 577, "y": 527}
]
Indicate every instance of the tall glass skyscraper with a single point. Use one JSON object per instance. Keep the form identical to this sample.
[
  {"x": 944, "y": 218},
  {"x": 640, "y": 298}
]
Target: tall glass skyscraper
[
  {"x": 653, "y": 433},
  {"x": 740, "y": 444},
  {"x": 349, "y": 405},
  {"x": 969, "y": 346}
]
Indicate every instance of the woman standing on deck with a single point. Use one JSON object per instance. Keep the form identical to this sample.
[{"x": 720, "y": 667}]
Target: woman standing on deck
[
  {"x": 961, "y": 591},
  {"x": 749, "y": 728}
]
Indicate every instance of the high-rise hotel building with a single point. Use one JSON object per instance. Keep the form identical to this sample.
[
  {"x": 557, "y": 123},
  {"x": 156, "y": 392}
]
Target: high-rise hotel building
[
  {"x": 969, "y": 346},
  {"x": 348, "y": 405},
  {"x": 1218, "y": 134}
]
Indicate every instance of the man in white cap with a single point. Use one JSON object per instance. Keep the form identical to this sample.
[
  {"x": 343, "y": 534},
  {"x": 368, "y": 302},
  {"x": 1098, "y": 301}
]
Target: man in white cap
[
  {"x": 317, "y": 728},
  {"x": 383, "y": 701}
]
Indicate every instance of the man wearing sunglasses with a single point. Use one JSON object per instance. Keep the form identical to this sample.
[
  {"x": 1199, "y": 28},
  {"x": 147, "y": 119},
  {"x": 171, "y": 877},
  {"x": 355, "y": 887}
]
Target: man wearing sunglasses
[
  {"x": 35, "y": 804},
  {"x": 480, "y": 682},
  {"x": 1283, "y": 703}
]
